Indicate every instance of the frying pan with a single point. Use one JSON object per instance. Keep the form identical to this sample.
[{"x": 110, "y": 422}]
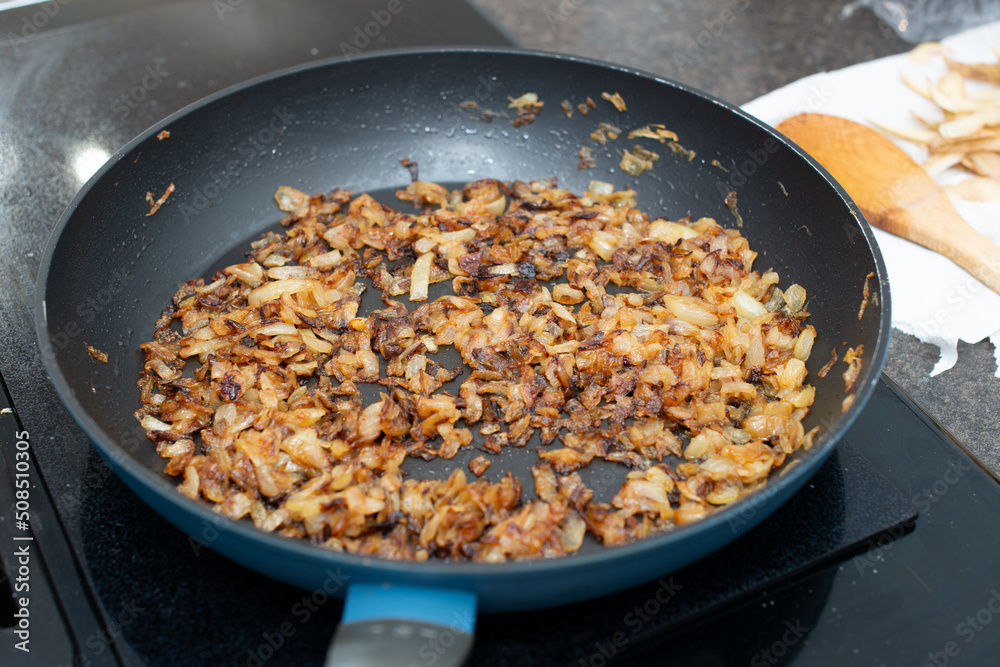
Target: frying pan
[{"x": 110, "y": 269}]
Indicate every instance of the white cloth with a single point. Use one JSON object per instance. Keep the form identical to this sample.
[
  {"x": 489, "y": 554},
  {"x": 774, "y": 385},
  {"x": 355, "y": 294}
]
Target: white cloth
[{"x": 932, "y": 298}]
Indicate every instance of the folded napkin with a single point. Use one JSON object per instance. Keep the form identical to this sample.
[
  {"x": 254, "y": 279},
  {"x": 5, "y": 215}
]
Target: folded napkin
[{"x": 932, "y": 298}]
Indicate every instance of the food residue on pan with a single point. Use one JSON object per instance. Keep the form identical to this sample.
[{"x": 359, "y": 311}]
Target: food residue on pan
[
  {"x": 528, "y": 108},
  {"x": 605, "y": 132},
  {"x": 615, "y": 99},
  {"x": 485, "y": 115},
  {"x": 586, "y": 328},
  {"x": 853, "y": 360},
  {"x": 654, "y": 131},
  {"x": 96, "y": 354},
  {"x": 718, "y": 165},
  {"x": 677, "y": 149},
  {"x": 585, "y": 107},
  {"x": 731, "y": 204},
  {"x": 828, "y": 366},
  {"x": 412, "y": 167},
  {"x": 637, "y": 161},
  {"x": 633, "y": 162},
  {"x": 163, "y": 134},
  {"x": 479, "y": 465},
  {"x": 865, "y": 293},
  {"x": 155, "y": 205}
]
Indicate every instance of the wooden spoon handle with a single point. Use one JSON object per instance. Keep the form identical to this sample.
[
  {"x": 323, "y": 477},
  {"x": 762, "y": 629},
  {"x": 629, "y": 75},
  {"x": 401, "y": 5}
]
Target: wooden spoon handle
[
  {"x": 893, "y": 192},
  {"x": 934, "y": 223},
  {"x": 969, "y": 249}
]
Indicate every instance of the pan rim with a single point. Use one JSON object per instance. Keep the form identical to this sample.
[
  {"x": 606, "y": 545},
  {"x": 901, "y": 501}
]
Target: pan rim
[{"x": 124, "y": 465}]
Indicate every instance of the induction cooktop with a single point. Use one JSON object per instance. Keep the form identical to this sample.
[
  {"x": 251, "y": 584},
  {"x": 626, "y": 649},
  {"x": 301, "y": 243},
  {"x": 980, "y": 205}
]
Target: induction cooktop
[{"x": 888, "y": 555}]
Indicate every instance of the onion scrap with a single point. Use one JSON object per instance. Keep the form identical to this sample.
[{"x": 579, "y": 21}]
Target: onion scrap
[{"x": 967, "y": 134}]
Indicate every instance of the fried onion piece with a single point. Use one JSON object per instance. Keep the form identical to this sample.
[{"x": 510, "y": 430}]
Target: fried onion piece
[{"x": 585, "y": 328}]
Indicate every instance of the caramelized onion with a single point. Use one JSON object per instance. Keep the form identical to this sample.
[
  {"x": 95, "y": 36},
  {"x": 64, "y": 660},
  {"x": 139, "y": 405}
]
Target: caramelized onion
[{"x": 586, "y": 330}]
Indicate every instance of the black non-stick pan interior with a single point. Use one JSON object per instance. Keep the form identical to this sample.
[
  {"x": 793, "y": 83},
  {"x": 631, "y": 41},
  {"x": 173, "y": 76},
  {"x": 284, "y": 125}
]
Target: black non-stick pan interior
[{"x": 348, "y": 124}]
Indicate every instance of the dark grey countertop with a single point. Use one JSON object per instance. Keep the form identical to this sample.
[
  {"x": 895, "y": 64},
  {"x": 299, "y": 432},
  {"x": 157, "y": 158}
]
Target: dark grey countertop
[{"x": 739, "y": 50}]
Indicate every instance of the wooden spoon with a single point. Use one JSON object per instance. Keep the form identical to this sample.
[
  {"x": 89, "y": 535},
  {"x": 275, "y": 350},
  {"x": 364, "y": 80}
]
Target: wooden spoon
[{"x": 893, "y": 192}]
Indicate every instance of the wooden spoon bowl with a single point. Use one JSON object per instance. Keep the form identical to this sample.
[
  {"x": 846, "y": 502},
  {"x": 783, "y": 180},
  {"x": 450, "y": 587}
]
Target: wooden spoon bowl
[{"x": 893, "y": 192}]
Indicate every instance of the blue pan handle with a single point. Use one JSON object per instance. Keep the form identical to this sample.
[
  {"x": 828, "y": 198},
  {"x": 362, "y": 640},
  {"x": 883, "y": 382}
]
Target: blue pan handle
[{"x": 408, "y": 626}]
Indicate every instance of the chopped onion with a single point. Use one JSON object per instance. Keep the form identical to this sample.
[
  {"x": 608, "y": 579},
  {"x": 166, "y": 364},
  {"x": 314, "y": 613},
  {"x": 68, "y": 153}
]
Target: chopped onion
[
  {"x": 747, "y": 306},
  {"x": 290, "y": 199},
  {"x": 669, "y": 232},
  {"x": 581, "y": 324},
  {"x": 600, "y": 188},
  {"x": 273, "y": 290},
  {"x": 284, "y": 272},
  {"x": 496, "y": 207},
  {"x": 151, "y": 423},
  {"x": 252, "y": 273},
  {"x": 691, "y": 310},
  {"x": 565, "y": 294},
  {"x": 795, "y": 297},
  {"x": 325, "y": 260},
  {"x": 603, "y": 243},
  {"x": 804, "y": 343},
  {"x": 755, "y": 352},
  {"x": 276, "y": 329},
  {"x": 420, "y": 277}
]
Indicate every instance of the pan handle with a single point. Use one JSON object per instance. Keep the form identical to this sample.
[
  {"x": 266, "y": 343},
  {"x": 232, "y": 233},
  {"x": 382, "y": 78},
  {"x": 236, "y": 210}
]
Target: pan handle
[{"x": 409, "y": 626}]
